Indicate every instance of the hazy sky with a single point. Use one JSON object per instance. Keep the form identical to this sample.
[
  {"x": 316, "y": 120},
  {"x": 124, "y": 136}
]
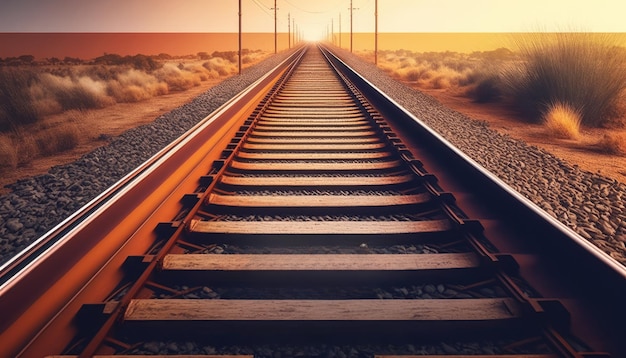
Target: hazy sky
[{"x": 313, "y": 17}]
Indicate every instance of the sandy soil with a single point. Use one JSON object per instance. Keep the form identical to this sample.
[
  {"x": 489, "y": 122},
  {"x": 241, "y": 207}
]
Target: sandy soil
[
  {"x": 583, "y": 152},
  {"x": 99, "y": 125}
]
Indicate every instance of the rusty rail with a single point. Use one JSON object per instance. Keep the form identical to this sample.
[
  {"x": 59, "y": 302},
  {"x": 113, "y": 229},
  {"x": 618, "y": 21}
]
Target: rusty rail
[{"x": 310, "y": 157}]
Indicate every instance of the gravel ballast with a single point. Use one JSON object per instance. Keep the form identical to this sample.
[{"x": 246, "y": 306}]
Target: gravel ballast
[
  {"x": 39, "y": 203},
  {"x": 590, "y": 204}
]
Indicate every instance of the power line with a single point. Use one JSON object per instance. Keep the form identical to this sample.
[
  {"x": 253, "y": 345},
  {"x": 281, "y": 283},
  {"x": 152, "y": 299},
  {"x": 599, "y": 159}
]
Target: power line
[
  {"x": 263, "y": 7},
  {"x": 310, "y": 11}
]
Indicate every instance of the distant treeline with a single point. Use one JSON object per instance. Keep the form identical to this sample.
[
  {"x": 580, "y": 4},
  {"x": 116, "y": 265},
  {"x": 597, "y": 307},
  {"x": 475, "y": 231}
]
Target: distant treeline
[{"x": 138, "y": 61}]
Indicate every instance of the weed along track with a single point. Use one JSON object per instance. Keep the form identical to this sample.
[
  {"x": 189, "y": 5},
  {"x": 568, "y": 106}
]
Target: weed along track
[{"x": 310, "y": 216}]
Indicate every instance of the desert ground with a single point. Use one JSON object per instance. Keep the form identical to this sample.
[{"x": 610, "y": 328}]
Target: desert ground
[
  {"x": 100, "y": 125},
  {"x": 582, "y": 152}
]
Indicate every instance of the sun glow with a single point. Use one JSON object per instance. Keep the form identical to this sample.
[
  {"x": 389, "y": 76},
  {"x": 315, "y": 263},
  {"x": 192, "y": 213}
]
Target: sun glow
[{"x": 313, "y": 36}]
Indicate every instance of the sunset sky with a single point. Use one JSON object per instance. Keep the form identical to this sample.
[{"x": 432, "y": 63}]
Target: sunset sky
[{"x": 312, "y": 17}]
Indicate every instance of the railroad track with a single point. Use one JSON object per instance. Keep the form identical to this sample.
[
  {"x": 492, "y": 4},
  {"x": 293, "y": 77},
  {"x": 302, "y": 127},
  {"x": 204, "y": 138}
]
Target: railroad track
[{"x": 302, "y": 220}]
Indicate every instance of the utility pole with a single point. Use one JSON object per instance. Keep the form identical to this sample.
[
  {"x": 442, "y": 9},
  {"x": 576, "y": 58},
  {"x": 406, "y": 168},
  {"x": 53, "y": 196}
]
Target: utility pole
[
  {"x": 332, "y": 30},
  {"x": 351, "y": 8},
  {"x": 240, "y": 37},
  {"x": 327, "y": 33},
  {"x": 340, "y": 30},
  {"x": 350, "y": 25},
  {"x": 289, "y": 28},
  {"x": 275, "y": 29},
  {"x": 376, "y": 32}
]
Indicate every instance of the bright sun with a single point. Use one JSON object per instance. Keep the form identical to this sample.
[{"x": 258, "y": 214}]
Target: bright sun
[{"x": 313, "y": 36}]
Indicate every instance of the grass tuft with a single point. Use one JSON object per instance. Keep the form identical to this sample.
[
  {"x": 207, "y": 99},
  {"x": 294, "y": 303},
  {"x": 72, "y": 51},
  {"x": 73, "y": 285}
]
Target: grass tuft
[
  {"x": 484, "y": 85},
  {"x": 8, "y": 153},
  {"x": 15, "y": 98},
  {"x": 474, "y": 73},
  {"x": 562, "y": 121},
  {"x": 58, "y": 139},
  {"x": 582, "y": 69},
  {"x": 613, "y": 143},
  {"x": 25, "y": 146}
]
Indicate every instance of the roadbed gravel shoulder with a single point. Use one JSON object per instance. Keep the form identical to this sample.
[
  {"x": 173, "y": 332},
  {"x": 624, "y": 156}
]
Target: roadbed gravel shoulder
[{"x": 590, "y": 204}]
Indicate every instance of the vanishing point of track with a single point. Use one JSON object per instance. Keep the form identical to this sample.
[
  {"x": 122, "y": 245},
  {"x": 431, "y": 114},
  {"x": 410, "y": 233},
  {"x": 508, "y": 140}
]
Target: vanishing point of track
[{"x": 311, "y": 211}]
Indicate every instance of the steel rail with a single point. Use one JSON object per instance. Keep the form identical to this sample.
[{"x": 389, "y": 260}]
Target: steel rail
[
  {"x": 440, "y": 314},
  {"x": 115, "y": 313},
  {"x": 196, "y": 185},
  {"x": 35, "y": 286},
  {"x": 614, "y": 267},
  {"x": 583, "y": 265}
]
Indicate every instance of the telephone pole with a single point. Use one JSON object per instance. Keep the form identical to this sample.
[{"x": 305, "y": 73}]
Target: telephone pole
[
  {"x": 275, "y": 29},
  {"x": 350, "y": 25},
  {"x": 340, "y": 30},
  {"x": 240, "y": 37},
  {"x": 376, "y": 32},
  {"x": 289, "y": 28},
  {"x": 351, "y": 8}
]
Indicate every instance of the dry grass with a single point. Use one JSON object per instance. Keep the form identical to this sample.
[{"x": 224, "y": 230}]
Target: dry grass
[
  {"x": 15, "y": 101},
  {"x": 43, "y": 139},
  {"x": 134, "y": 86},
  {"x": 562, "y": 121},
  {"x": 587, "y": 71},
  {"x": 16, "y": 149},
  {"x": 30, "y": 95},
  {"x": 582, "y": 69},
  {"x": 8, "y": 153},
  {"x": 473, "y": 74},
  {"x": 613, "y": 143},
  {"x": 58, "y": 139},
  {"x": 27, "y": 94},
  {"x": 21, "y": 147},
  {"x": 76, "y": 92}
]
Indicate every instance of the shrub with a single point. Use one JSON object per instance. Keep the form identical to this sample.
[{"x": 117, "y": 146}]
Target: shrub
[
  {"x": 143, "y": 62},
  {"x": 76, "y": 93},
  {"x": 43, "y": 101},
  {"x": 487, "y": 87},
  {"x": 15, "y": 100},
  {"x": 219, "y": 65},
  {"x": 613, "y": 143},
  {"x": 445, "y": 77},
  {"x": 26, "y": 146},
  {"x": 176, "y": 78},
  {"x": 139, "y": 61},
  {"x": 8, "y": 153},
  {"x": 134, "y": 85},
  {"x": 441, "y": 81},
  {"x": 58, "y": 139},
  {"x": 562, "y": 121},
  {"x": 412, "y": 75},
  {"x": 585, "y": 70},
  {"x": 230, "y": 56}
]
